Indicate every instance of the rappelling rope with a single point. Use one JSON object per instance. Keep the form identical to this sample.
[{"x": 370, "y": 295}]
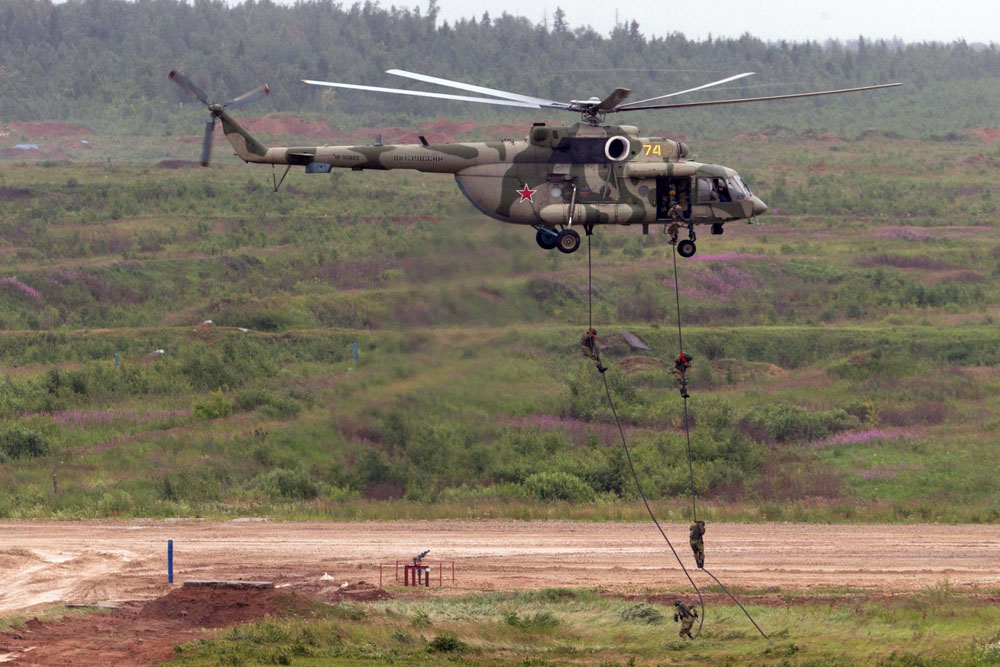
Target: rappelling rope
[
  {"x": 687, "y": 434},
  {"x": 628, "y": 455}
]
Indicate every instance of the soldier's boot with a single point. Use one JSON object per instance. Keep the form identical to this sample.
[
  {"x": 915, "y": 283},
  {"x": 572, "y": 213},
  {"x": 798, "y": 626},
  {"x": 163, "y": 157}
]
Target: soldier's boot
[
  {"x": 684, "y": 389},
  {"x": 600, "y": 367}
]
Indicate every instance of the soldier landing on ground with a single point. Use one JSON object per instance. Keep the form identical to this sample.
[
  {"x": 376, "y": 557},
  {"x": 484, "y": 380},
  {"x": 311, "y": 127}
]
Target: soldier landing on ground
[
  {"x": 697, "y": 542},
  {"x": 681, "y": 365},
  {"x": 686, "y": 617},
  {"x": 590, "y": 349}
]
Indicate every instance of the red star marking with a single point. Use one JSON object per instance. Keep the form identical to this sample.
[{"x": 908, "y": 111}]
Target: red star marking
[{"x": 526, "y": 193}]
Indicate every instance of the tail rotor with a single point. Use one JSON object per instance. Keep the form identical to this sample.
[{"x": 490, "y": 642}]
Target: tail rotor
[{"x": 215, "y": 109}]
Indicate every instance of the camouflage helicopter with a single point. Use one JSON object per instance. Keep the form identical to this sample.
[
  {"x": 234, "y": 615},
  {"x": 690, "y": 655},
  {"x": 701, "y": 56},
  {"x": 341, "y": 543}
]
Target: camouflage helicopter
[{"x": 558, "y": 177}]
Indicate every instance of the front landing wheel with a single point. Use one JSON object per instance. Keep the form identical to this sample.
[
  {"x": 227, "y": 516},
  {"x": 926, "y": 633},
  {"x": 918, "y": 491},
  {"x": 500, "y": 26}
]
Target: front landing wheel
[
  {"x": 568, "y": 241},
  {"x": 546, "y": 239},
  {"x": 686, "y": 248}
]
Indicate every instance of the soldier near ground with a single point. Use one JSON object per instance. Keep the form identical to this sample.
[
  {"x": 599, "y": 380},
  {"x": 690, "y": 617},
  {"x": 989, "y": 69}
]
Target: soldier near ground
[
  {"x": 686, "y": 617},
  {"x": 698, "y": 542},
  {"x": 681, "y": 365},
  {"x": 675, "y": 214},
  {"x": 590, "y": 349}
]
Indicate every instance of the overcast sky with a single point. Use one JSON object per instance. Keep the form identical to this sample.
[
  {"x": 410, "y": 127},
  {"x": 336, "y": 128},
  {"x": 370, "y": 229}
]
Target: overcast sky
[{"x": 792, "y": 20}]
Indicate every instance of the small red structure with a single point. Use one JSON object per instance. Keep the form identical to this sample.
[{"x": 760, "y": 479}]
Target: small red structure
[{"x": 420, "y": 573}]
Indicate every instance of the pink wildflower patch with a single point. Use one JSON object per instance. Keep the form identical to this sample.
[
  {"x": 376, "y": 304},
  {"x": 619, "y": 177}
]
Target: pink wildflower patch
[
  {"x": 859, "y": 437},
  {"x": 88, "y": 417},
  {"x": 905, "y": 233},
  {"x": 16, "y": 285},
  {"x": 717, "y": 285},
  {"x": 726, "y": 257}
]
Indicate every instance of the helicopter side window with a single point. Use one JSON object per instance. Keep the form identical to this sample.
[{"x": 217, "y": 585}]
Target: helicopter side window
[
  {"x": 705, "y": 192},
  {"x": 721, "y": 191}
]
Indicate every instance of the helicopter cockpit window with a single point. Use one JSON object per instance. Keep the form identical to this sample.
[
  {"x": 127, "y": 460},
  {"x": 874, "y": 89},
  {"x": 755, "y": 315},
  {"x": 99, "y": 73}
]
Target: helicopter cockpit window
[
  {"x": 722, "y": 193},
  {"x": 736, "y": 191}
]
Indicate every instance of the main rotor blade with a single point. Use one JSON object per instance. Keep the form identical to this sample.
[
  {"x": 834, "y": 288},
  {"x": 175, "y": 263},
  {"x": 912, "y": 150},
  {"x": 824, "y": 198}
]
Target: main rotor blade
[
  {"x": 189, "y": 85},
  {"x": 206, "y": 145},
  {"x": 691, "y": 90},
  {"x": 538, "y": 101},
  {"x": 417, "y": 93},
  {"x": 248, "y": 97},
  {"x": 612, "y": 100},
  {"x": 757, "y": 99}
]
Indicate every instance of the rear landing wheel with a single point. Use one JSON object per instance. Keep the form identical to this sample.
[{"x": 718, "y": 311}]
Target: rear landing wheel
[
  {"x": 546, "y": 239},
  {"x": 686, "y": 248},
  {"x": 568, "y": 241}
]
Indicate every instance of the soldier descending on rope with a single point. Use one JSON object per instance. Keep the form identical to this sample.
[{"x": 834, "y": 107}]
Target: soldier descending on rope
[
  {"x": 686, "y": 617},
  {"x": 697, "y": 542},
  {"x": 675, "y": 214},
  {"x": 590, "y": 349},
  {"x": 681, "y": 365}
]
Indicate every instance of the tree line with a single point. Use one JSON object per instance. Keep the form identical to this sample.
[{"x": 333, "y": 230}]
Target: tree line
[{"x": 104, "y": 62}]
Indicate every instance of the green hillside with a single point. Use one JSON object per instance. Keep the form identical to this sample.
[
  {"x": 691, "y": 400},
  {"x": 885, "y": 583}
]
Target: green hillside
[{"x": 846, "y": 351}]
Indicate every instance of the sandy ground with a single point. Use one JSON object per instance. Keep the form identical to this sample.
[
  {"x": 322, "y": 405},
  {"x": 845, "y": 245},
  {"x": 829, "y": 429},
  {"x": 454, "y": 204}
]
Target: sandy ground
[{"x": 89, "y": 562}]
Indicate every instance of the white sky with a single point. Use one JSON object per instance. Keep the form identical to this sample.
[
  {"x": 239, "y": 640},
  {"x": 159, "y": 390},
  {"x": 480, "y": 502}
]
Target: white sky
[{"x": 792, "y": 20}]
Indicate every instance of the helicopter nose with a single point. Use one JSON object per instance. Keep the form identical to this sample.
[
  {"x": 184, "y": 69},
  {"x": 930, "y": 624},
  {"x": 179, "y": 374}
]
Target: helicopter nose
[{"x": 759, "y": 207}]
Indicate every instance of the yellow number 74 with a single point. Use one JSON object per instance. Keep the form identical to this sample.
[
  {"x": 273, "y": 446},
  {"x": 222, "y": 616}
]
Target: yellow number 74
[{"x": 652, "y": 149}]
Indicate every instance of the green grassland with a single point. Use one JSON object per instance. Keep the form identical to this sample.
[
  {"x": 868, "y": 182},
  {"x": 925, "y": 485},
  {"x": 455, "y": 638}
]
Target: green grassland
[
  {"x": 846, "y": 351},
  {"x": 566, "y": 626}
]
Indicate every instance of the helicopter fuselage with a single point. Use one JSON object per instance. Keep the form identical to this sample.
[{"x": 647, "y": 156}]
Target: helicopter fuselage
[{"x": 558, "y": 176}]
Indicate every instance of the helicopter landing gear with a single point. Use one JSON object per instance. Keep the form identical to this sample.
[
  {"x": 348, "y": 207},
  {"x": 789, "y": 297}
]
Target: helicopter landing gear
[
  {"x": 717, "y": 228},
  {"x": 686, "y": 248},
  {"x": 546, "y": 238},
  {"x": 568, "y": 241}
]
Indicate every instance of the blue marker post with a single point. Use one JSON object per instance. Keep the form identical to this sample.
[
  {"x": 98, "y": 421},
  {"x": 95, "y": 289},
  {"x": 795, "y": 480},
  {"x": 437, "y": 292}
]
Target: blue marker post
[
  {"x": 355, "y": 353},
  {"x": 116, "y": 360},
  {"x": 170, "y": 561}
]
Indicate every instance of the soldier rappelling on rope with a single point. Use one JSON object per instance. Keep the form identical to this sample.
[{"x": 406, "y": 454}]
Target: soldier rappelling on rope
[
  {"x": 590, "y": 348},
  {"x": 698, "y": 542},
  {"x": 681, "y": 365},
  {"x": 675, "y": 214}
]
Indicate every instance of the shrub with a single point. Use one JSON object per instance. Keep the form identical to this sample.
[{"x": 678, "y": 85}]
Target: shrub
[
  {"x": 558, "y": 486},
  {"x": 540, "y": 621},
  {"x": 445, "y": 643},
  {"x": 216, "y": 406},
  {"x": 641, "y": 613},
  {"x": 21, "y": 442},
  {"x": 284, "y": 483},
  {"x": 784, "y": 422}
]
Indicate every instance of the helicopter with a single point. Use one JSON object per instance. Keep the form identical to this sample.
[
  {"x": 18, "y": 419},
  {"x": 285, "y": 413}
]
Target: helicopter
[{"x": 558, "y": 178}]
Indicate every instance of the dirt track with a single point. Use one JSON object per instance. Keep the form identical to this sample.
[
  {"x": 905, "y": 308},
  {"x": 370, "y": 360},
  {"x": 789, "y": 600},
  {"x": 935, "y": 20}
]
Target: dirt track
[{"x": 94, "y": 561}]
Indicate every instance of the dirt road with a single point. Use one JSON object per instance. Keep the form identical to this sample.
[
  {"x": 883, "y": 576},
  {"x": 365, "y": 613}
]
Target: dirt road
[{"x": 89, "y": 562}]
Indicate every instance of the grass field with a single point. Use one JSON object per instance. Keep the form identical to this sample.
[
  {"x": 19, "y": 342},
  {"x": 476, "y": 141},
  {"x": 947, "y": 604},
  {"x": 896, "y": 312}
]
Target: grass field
[
  {"x": 845, "y": 352},
  {"x": 567, "y": 626}
]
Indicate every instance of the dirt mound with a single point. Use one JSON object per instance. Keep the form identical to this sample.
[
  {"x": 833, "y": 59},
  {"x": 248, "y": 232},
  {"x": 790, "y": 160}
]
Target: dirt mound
[
  {"x": 641, "y": 364},
  {"x": 357, "y": 592},
  {"x": 35, "y": 129},
  {"x": 737, "y": 370},
  {"x": 989, "y": 134},
  {"x": 219, "y": 607}
]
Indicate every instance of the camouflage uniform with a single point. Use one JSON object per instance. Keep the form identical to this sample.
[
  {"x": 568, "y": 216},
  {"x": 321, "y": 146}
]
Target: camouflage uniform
[
  {"x": 686, "y": 617},
  {"x": 590, "y": 349},
  {"x": 681, "y": 365},
  {"x": 676, "y": 215},
  {"x": 697, "y": 543}
]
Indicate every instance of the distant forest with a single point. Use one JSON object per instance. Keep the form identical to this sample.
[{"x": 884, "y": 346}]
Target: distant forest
[{"x": 105, "y": 63}]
